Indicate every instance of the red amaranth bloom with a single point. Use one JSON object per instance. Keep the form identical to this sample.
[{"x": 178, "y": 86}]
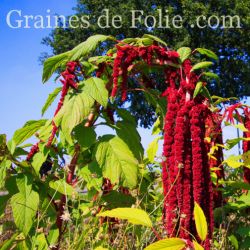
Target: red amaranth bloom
[
  {"x": 168, "y": 168},
  {"x": 229, "y": 113},
  {"x": 34, "y": 149},
  {"x": 202, "y": 186},
  {"x": 246, "y": 144},
  {"x": 214, "y": 132},
  {"x": 69, "y": 80}
]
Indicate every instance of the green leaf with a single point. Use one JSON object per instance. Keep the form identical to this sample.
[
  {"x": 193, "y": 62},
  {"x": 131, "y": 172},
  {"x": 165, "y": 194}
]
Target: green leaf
[
  {"x": 197, "y": 246},
  {"x": 53, "y": 235},
  {"x": 133, "y": 215},
  {"x": 88, "y": 46},
  {"x": 236, "y": 184},
  {"x": 146, "y": 41},
  {"x": 211, "y": 75},
  {"x": 85, "y": 136},
  {"x": 167, "y": 244},
  {"x": 240, "y": 126},
  {"x": 233, "y": 161},
  {"x": 157, "y": 127},
  {"x": 62, "y": 187},
  {"x": 128, "y": 133},
  {"x": 126, "y": 116},
  {"x": 41, "y": 242},
  {"x": 116, "y": 199},
  {"x": 73, "y": 112},
  {"x": 152, "y": 149},
  {"x": 53, "y": 63},
  {"x": 52, "y": 96},
  {"x": 244, "y": 231},
  {"x": 8, "y": 244},
  {"x": 4, "y": 165},
  {"x": 200, "y": 222},
  {"x": 24, "y": 204},
  {"x": 201, "y": 65},
  {"x": 234, "y": 241},
  {"x": 37, "y": 161},
  {"x": 155, "y": 38},
  {"x": 92, "y": 174},
  {"x": 205, "y": 92},
  {"x": 198, "y": 89},
  {"x": 184, "y": 53},
  {"x": 28, "y": 130},
  {"x": 117, "y": 161},
  {"x": 3, "y": 202},
  {"x": 100, "y": 248},
  {"x": 45, "y": 131},
  {"x": 207, "y": 53},
  {"x": 95, "y": 87}
]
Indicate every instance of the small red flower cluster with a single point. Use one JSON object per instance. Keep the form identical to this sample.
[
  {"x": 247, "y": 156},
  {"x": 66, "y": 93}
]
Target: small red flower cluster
[
  {"x": 127, "y": 54},
  {"x": 214, "y": 133},
  {"x": 246, "y": 144},
  {"x": 69, "y": 80},
  {"x": 34, "y": 149}
]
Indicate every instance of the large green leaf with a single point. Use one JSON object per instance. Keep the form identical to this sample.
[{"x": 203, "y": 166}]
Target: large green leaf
[
  {"x": 127, "y": 132},
  {"x": 24, "y": 204},
  {"x": 152, "y": 149},
  {"x": 201, "y": 65},
  {"x": 233, "y": 161},
  {"x": 27, "y": 131},
  {"x": 53, "y": 63},
  {"x": 52, "y": 96},
  {"x": 88, "y": 46},
  {"x": 184, "y": 53},
  {"x": 167, "y": 244},
  {"x": 95, "y": 87},
  {"x": 133, "y": 215},
  {"x": 85, "y": 136},
  {"x": 200, "y": 221},
  {"x": 62, "y": 187},
  {"x": 73, "y": 112},
  {"x": 38, "y": 159},
  {"x": 117, "y": 161}
]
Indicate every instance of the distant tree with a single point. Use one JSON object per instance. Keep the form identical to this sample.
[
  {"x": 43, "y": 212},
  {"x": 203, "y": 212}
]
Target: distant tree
[{"x": 232, "y": 45}]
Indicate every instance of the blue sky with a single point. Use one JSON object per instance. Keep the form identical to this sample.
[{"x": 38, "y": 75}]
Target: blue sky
[{"x": 22, "y": 91}]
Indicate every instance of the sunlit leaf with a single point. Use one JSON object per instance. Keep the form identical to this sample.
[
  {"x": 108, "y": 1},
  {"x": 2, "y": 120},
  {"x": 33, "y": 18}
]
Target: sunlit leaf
[
  {"x": 184, "y": 53},
  {"x": 52, "y": 96},
  {"x": 197, "y": 246},
  {"x": 207, "y": 53},
  {"x": 200, "y": 222},
  {"x": 167, "y": 244},
  {"x": 117, "y": 161},
  {"x": 133, "y": 215},
  {"x": 201, "y": 65}
]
